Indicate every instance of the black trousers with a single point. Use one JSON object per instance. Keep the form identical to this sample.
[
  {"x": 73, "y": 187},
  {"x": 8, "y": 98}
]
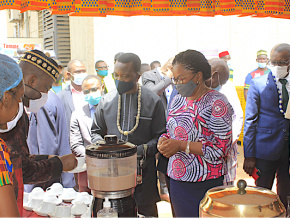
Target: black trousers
[{"x": 280, "y": 168}]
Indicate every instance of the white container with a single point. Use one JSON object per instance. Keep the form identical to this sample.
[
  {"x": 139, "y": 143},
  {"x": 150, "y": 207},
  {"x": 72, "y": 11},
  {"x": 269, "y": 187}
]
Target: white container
[{"x": 107, "y": 211}]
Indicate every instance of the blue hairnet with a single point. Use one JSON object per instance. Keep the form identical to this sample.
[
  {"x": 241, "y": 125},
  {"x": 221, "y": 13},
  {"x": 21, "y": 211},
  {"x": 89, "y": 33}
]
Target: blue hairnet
[{"x": 10, "y": 74}]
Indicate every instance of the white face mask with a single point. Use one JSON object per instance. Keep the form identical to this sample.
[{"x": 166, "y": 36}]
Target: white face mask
[
  {"x": 229, "y": 63},
  {"x": 78, "y": 78},
  {"x": 279, "y": 71},
  {"x": 35, "y": 105},
  {"x": 11, "y": 124}
]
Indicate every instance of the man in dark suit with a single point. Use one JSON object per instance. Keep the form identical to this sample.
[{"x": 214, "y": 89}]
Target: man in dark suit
[
  {"x": 72, "y": 96},
  {"x": 266, "y": 131},
  {"x": 159, "y": 81}
]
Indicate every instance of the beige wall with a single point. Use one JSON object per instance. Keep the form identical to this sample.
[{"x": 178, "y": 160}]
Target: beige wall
[
  {"x": 28, "y": 26},
  {"x": 82, "y": 41}
]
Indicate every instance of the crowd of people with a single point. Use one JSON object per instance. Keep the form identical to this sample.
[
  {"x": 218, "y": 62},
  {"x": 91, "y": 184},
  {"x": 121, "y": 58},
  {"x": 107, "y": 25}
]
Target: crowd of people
[{"x": 185, "y": 118}]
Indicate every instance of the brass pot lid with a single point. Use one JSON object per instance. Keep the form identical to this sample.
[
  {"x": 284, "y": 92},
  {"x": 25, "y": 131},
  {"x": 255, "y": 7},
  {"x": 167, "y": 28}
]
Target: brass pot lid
[{"x": 241, "y": 201}]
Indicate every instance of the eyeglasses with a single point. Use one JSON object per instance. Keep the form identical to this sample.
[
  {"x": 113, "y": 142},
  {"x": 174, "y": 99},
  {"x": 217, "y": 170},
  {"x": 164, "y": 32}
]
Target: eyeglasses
[
  {"x": 262, "y": 59},
  {"x": 278, "y": 63},
  {"x": 179, "y": 80},
  {"x": 87, "y": 91},
  {"x": 37, "y": 93},
  {"x": 102, "y": 68}
]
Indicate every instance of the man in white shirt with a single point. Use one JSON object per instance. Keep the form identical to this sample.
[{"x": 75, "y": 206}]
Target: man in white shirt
[
  {"x": 220, "y": 82},
  {"x": 81, "y": 122},
  {"x": 72, "y": 96}
]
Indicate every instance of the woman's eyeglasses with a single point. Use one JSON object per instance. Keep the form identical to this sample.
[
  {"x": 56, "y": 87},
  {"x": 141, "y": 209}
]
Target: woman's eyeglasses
[{"x": 180, "y": 79}]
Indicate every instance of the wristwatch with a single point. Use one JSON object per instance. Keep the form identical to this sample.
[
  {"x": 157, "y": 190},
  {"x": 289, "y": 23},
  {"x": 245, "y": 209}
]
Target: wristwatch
[{"x": 187, "y": 150}]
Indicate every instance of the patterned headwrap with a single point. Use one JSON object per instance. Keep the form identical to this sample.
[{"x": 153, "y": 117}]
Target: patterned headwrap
[
  {"x": 261, "y": 52},
  {"x": 224, "y": 53},
  {"x": 40, "y": 60},
  {"x": 10, "y": 74}
]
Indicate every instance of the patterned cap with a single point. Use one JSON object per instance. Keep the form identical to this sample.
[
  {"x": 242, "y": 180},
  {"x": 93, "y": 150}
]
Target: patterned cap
[
  {"x": 40, "y": 60},
  {"x": 261, "y": 52},
  {"x": 224, "y": 53}
]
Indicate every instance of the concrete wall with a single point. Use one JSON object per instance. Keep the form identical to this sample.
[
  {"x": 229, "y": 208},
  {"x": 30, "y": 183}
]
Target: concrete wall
[
  {"x": 28, "y": 26},
  {"x": 82, "y": 41},
  {"x": 3, "y": 26},
  {"x": 159, "y": 38}
]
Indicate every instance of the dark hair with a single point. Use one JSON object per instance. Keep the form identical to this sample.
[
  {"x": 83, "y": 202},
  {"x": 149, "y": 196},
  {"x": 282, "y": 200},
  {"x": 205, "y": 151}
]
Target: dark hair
[
  {"x": 195, "y": 61},
  {"x": 154, "y": 62},
  {"x": 131, "y": 58},
  {"x": 118, "y": 55},
  {"x": 99, "y": 61}
]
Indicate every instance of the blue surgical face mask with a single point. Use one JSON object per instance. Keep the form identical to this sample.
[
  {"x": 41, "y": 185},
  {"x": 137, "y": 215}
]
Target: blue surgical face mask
[
  {"x": 102, "y": 72},
  {"x": 262, "y": 65},
  {"x": 218, "y": 87},
  {"x": 93, "y": 98}
]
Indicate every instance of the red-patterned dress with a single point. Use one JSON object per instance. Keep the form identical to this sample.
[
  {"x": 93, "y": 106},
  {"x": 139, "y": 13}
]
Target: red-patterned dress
[{"x": 207, "y": 120}]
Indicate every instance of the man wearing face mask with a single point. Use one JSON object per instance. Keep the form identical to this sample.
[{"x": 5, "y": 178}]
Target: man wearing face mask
[
  {"x": 266, "y": 130},
  {"x": 135, "y": 114},
  {"x": 81, "y": 123},
  {"x": 39, "y": 72},
  {"x": 72, "y": 96},
  {"x": 220, "y": 82},
  {"x": 48, "y": 134},
  {"x": 107, "y": 79},
  {"x": 225, "y": 55},
  {"x": 262, "y": 69}
]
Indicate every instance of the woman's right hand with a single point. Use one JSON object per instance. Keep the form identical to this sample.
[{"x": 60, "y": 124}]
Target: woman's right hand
[
  {"x": 160, "y": 141},
  {"x": 170, "y": 147}
]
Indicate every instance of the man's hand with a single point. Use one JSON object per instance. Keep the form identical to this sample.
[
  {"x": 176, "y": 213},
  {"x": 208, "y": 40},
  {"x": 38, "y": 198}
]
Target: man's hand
[
  {"x": 169, "y": 73},
  {"x": 169, "y": 147},
  {"x": 69, "y": 162},
  {"x": 249, "y": 165}
]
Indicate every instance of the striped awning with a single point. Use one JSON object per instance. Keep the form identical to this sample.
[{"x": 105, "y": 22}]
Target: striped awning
[{"x": 101, "y": 8}]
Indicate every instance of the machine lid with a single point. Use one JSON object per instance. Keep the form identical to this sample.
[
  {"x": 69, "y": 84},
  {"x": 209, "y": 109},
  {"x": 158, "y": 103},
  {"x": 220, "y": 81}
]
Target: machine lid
[
  {"x": 230, "y": 201},
  {"x": 111, "y": 147}
]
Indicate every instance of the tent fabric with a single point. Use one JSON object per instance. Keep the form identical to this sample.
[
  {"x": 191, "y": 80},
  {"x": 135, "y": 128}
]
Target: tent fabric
[{"x": 102, "y": 8}]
